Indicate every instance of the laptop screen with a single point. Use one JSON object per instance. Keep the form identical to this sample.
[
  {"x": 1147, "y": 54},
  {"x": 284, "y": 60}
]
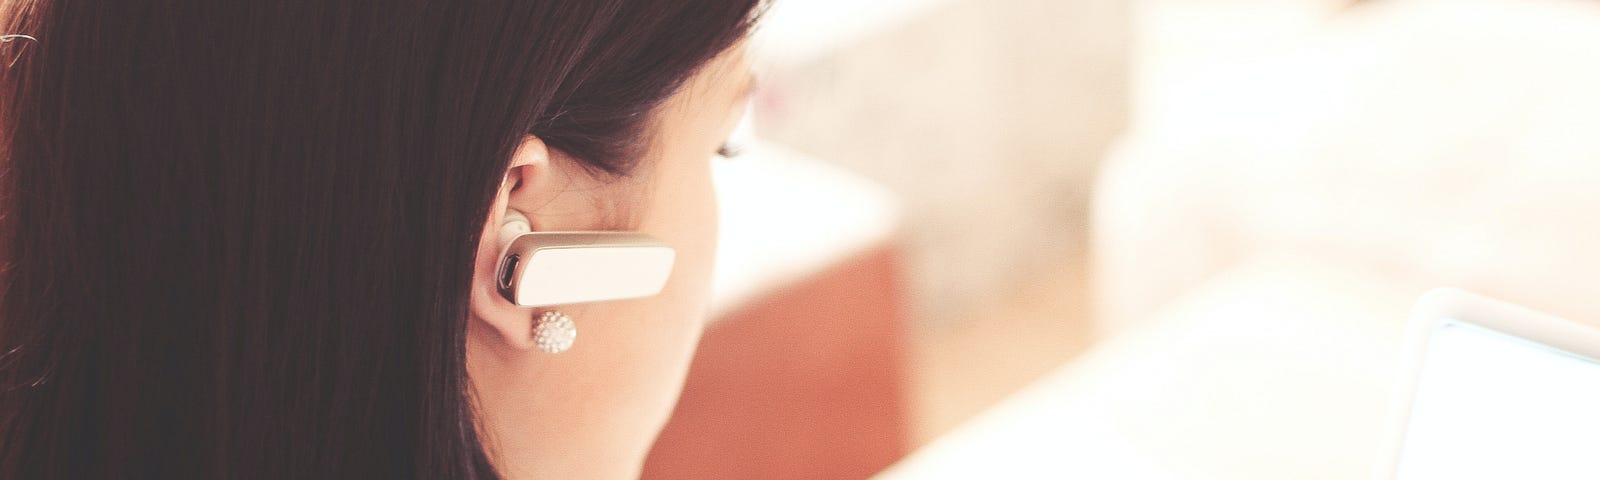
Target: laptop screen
[{"x": 1491, "y": 405}]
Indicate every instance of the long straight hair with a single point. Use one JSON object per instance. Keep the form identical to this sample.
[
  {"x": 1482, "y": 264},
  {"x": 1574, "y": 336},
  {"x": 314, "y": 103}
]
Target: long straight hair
[{"x": 238, "y": 236}]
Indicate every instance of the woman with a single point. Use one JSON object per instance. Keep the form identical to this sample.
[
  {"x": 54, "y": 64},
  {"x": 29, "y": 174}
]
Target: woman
[{"x": 259, "y": 239}]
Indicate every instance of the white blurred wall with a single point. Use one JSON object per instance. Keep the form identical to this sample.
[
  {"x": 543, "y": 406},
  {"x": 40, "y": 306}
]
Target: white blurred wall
[
  {"x": 987, "y": 117},
  {"x": 1175, "y": 40}
]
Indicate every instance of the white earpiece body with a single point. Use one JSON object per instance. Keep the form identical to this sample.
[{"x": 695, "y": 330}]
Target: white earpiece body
[{"x": 558, "y": 268}]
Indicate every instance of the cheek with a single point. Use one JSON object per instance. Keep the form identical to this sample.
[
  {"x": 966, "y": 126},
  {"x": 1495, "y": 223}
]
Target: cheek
[{"x": 684, "y": 214}]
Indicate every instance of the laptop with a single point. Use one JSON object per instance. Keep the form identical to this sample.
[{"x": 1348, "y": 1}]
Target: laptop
[{"x": 1495, "y": 391}]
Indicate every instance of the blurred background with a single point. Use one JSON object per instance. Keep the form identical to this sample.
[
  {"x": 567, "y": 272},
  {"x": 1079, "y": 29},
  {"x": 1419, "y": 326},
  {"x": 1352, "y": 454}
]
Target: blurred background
[{"x": 1125, "y": 238}]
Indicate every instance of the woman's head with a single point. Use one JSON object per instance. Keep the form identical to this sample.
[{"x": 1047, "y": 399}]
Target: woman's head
[
  {"x": 600, "y": 404},
  {"x": 256, "y": 239}
]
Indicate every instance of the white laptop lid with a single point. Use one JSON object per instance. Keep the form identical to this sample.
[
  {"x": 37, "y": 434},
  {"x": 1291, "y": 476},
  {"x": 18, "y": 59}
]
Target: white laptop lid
[{"x": 1495, "y": 391}]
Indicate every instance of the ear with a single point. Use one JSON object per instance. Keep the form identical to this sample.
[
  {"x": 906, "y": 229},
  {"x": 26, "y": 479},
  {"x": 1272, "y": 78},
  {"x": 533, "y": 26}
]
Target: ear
[{"x": 530, "y": 182}]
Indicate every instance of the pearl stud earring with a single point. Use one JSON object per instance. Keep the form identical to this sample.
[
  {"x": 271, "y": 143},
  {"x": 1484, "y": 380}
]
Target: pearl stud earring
[{"x": 554, "y": 332}]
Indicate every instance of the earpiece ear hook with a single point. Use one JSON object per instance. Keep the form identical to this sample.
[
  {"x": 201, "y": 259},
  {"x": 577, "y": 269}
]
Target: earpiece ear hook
[{"x": 8, "y": 38}]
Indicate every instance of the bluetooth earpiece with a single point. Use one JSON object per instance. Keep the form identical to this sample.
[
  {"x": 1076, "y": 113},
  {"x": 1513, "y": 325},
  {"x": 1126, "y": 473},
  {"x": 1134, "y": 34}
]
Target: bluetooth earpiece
[{"x": 540, "y": 269}]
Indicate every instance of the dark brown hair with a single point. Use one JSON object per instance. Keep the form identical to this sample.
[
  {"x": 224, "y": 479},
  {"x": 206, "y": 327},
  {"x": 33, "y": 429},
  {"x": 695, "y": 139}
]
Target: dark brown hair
[{"x": 238, "y": 236}]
